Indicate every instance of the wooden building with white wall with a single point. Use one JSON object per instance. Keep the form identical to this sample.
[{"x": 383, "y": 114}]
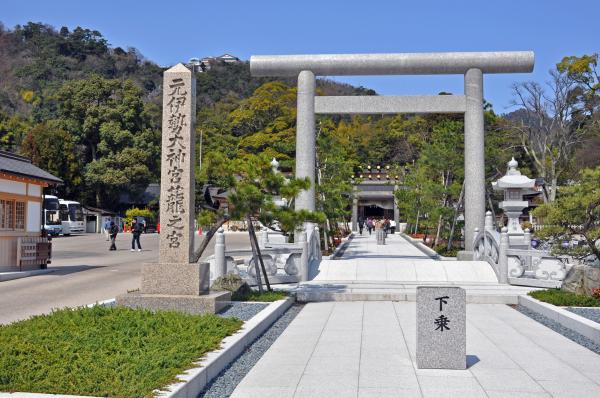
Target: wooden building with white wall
[{"x": 21, "y": 190}]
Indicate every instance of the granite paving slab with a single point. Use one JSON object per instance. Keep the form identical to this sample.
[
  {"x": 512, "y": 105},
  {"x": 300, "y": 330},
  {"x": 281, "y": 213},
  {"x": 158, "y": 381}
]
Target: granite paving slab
[{"x": 508, "y": 355}]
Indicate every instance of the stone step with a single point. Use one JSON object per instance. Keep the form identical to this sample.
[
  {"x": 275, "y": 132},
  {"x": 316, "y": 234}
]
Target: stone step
[{"x": 481, "y": 293}]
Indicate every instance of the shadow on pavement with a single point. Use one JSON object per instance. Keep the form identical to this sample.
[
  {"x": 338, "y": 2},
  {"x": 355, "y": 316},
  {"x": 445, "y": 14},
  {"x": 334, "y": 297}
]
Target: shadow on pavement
[
  {"x": 71, "y": 269},
  {"x": 472, "y": 360}
]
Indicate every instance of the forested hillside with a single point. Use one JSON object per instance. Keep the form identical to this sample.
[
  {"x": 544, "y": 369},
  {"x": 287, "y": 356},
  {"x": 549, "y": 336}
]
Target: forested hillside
[{"x": 90, "y": 113}]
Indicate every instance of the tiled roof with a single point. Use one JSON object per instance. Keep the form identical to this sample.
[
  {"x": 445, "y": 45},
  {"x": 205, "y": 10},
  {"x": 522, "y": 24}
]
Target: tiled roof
[{"x": 21, "y": 166}]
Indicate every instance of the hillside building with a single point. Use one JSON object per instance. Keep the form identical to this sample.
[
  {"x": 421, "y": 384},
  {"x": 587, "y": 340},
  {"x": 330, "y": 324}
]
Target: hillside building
[{"x": 206, "y": 63}]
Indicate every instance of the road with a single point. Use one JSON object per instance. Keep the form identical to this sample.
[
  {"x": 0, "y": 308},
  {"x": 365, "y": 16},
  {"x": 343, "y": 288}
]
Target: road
[{"x": 86, "y": 272}]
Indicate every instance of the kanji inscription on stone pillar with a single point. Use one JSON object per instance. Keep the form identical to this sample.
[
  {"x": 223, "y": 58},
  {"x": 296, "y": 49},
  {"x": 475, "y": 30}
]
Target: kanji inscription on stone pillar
[
  {"x": 177, "y": 166},
  {"x": 441, "y": 327}
]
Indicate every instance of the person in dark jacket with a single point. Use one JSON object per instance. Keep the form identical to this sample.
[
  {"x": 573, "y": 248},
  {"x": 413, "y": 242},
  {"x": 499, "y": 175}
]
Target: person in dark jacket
[
  {"x": 136, "y": 230},
  {"x": 114, "y": 230}
]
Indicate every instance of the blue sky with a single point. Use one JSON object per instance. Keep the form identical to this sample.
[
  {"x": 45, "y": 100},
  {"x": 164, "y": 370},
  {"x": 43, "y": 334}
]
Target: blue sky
[{"x": 172, "y": 31}]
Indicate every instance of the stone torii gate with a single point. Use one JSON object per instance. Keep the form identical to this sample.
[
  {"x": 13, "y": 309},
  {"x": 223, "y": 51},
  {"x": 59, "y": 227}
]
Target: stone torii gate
[{"x": 470, "y": 64}]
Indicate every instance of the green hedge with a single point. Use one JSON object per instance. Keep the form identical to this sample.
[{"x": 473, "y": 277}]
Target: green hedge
[
  {"x": 564, "y": 298},
  {"x": 100, "y": 351}
]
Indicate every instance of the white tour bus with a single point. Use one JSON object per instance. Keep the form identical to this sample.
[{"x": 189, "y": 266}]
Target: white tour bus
[
  {"x": 52, "y": 222},
  {"x": 71, "y": 216}
]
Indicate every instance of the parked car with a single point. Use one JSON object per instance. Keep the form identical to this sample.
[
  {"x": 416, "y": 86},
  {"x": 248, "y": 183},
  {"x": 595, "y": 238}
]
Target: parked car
[{"x": 150, "y": 228}]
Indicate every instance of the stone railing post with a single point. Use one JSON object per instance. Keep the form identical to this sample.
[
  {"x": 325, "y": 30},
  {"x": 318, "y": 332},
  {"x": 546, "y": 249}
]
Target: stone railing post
[
  {"x": 527, "y": 243},
  {"x": 304, "y": 257},
  {"x": 527, "y": 238},
  {"x": 489, "y": 222},
  {"x": 317, "y": 248},
  {"x": 264, "y": 237},
  {"x": 220, "y": 262},
  {"x": 503, "y": 257}
]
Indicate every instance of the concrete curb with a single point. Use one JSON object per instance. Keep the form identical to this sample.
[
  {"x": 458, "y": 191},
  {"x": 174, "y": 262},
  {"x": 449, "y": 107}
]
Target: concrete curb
[
  {"x": 567, "y": 319},
  {"x": 194, "y": 380},
  {"x": 423, "y": 248},
  {"x": 339, "y": 251},
  {"x": 9, "y": 276},
  {"x": 426, "y": 249}
]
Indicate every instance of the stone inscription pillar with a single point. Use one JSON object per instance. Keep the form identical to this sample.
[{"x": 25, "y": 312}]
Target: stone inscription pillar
[
  {"x": 177, "y": 185},
  {"x": 474, "y": 156},
  {"x": 306, "y": 139},
  {"x": 441, "y": 328},
  {"x": 175, "y": 283},
  {"x": 354, "y": 214},
  {"x": 396, "y": 210}
]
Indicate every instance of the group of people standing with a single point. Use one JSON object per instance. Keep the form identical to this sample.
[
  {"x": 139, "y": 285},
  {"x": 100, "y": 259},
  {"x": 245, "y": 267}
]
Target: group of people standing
[
  {"x": 111, "y": 230},
  {"x": 373, "y": 224}
]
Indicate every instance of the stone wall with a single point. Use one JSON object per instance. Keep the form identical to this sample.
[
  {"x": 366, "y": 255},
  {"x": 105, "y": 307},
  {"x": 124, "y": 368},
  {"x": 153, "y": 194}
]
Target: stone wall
[{"x": 582, "y": 279}]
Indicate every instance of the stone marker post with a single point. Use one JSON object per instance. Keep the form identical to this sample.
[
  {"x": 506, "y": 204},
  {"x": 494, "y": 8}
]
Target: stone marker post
[
  {"x": 175, "y": 282},
  {"x": 177, "y": 166},
  {"x": 441, "y": 328}
]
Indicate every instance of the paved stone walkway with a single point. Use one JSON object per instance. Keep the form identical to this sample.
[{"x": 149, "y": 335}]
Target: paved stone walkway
[
  {"x": 398, "y": 260},
  {"x": 367, "y": 349}
]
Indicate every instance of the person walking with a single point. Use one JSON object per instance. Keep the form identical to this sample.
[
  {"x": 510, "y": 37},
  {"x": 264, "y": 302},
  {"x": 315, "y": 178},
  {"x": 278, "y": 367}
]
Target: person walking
[
  {"x": 361, "y": 224},
  {"x": 114, "y": 230},
  {"x": 136, "y": 230},
  {"x": 370, "y": 225},
  {"x": 386, "y": 226},
  {"x": 107, "y": 229}
]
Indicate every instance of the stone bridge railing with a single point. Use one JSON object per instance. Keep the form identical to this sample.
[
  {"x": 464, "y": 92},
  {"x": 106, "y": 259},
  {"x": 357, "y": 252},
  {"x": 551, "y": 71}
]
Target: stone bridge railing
[
  {"x": 517, "y": 265},
  {"x": 284, "y": 262}
]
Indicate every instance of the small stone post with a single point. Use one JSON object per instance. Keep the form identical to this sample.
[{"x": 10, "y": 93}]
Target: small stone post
[
  {"x": 527, "y": 238},
  {"x": 354, "y": 211},
  {"x": 396, "y": 211},
  {"x": 304, "y": 257},
  {"x": 317, "y": 233},
  {"x": 503, "y": 257},
  {"x": 527, "y": 243},
  {"x": 220, "y": 261},
  {"x": 489, "y": 222},
  {"x": 264, "y": 237}
]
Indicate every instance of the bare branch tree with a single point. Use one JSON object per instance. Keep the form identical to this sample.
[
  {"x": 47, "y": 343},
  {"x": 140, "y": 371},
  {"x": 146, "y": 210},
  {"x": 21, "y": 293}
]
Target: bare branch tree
[{"x": 547, "y": 130}]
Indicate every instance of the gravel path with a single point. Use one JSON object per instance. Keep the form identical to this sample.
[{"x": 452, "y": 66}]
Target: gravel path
[
  {"x": 242, "y": 310},
  {"x": 593, "y": 314},
  {"x": 557, "y": 327},
  {"x": 223, "y": 385}
]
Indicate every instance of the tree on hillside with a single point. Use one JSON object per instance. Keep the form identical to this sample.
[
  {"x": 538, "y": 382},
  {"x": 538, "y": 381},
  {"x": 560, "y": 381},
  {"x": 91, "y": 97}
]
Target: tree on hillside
[
  {"x": 266, "y": 122},
  {"x": 548, "y": 127},
  {"x": 12, "y": 131},
  {"x": 584, "y": 71},
  {"x": 575, "y": 212},
  {"x": 54, "y": 150},
  {"x": 106, "y": 117}
]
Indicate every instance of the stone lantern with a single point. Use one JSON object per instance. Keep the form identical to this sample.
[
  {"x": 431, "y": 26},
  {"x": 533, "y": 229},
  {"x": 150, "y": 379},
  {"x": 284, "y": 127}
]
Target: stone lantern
[
  {"x": 275, "y": 165},
  {"x": 515, "y": 186}
]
